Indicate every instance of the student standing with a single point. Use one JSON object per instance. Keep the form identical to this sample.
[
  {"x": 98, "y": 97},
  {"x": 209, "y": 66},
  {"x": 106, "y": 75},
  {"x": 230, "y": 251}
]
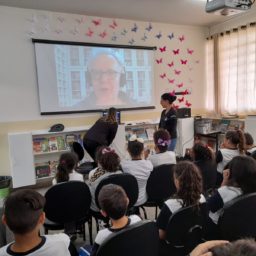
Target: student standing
[
  {"x": 102, "y": 133},
  {"x": 168, "y": 120}
]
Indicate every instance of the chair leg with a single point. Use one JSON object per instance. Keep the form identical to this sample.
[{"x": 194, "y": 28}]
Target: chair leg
[
  {"x": 83, "y": 231},
  {"x": 156, "y": 212},
  {"x": 90, "y": 230},
  {"x": 145, "y": 213}
]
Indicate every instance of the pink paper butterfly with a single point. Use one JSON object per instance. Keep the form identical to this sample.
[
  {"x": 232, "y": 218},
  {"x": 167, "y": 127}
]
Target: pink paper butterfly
[
  {"x": 180, "y": 85},
  {"x": 163, "y": 49},
  {"x": 175, "y": 52},
  {"x": 185, "y": 92},
  {"x": 177, "y": 72},
  {"x": 182, "y": 38},
  {"x": 159, "y": 61},
  {"x": 190, "y": 51},
  {"x": 181, "y": 99},
  {"x": 170, "y": 64},
  {"x": 163, "y": 75},
  {"x": 89, "y": 32},
  {"x": 188, "y": 104},
  {"x": 103, "y": 34},
  {"x": 183, "y": 62},
  {"x": 96, "y": 22},
  {"x": 113, "y": 25},
  {"x": 171, "y": 81}
]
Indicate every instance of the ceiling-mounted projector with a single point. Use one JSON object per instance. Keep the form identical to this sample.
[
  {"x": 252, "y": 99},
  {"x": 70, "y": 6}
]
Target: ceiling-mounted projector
[{"x": 227, "y": 7}]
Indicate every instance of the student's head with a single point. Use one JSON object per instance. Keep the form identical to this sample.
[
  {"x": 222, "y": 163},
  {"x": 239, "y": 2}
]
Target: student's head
[
  {"x": 188, "y": 182},
  {"x": 241, "y": 173},
  {"x": 108, "y": 159},
  {"x": 67, "y": 163},
  {"x": 111, "y": 116},
  {"x": 248, "y": 140},
  {"x": 235, "y": 139},
  {"x": 23, "y": 211},
  {"x": 135, "y": 146},
  {"x": 105, "y": 75},
  {"x": 167, "y": 99},
  {"x": 113, "y": 201},
  {"x": 161, "y": 140},
  {"x": 200, "y": 151},
  {"x": 243, "y": 247}
]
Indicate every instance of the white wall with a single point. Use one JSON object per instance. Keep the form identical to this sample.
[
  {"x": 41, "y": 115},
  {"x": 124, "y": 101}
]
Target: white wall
[{"x": 18, "y": 82}]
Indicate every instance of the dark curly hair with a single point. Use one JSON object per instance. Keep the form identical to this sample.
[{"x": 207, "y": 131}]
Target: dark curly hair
[
  {"x": 135, "y": 148},
  {"x": 243, "y": 173},
  {"x": 190, "y": 183},
  {"x": 237, "y": 138},
  {"x": 161, "y": 135},
  {"x": 202, "y": 152},
  {"x": 108, "y": 159},
  {"x": 248, "y": 139}
]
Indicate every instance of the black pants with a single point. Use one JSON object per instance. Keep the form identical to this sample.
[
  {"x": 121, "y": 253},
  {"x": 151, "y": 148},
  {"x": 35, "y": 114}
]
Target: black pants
[{"x": 91, "y": 147}]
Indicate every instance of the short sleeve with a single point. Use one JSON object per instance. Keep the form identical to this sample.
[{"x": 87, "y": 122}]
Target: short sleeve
[{"x": 163, "y": 217}]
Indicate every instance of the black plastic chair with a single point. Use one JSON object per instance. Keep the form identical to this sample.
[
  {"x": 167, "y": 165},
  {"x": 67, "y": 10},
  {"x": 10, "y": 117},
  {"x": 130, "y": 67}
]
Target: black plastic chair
[
  {"x": 185, "y": 230},
  {"x": 127, "y": 181},
  {"x": 86, "y": 167},
  {"x": 138, "y": 239},
  {"x": 160, "y": 186},
  {"x": 67, "y": 207},
  {"x": 238, "y": 219}
]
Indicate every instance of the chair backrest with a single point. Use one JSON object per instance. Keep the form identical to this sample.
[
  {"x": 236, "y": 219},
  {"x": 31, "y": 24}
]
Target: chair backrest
[
  {"x": 238, "y": 218},
  {"x": 127, "y": 181},
  {"x": 67, "y": 202},
  {"x": 160, "y": 184},
  {"x": 138, "y": 239},
  {"x": 78, "y": 150},
  {"x": 186, "y": 227}
]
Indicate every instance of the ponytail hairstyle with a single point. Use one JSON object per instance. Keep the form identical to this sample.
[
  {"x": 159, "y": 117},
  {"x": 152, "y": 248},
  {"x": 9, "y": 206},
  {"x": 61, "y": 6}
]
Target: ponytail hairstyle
[
  {"x": 135, "y": 146},
  {"x": 67, "y": 163},
  {"x": 108, "y": 159},
  {"x": 237, "y": 138},
  {"x": 202, "y": 152},
  {"x": 190, "y": 183},
  {"x": 242, "y": 173},
  {"x": 248, "y": 139},
  {"x": 161, "y": 140},
  {"x": 111, "y": 116}
]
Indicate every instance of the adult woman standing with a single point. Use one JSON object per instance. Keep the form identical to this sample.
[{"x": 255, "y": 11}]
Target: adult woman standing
[
  {"x": 102, "y": 133},
  {"x": 168, "y": 120}
]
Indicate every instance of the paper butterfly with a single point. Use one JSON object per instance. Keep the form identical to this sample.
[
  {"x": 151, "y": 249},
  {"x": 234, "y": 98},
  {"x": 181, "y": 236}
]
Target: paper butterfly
[
  {"x": 132, "y": 41},
  {"x": 96, "y": 22},
  {"x": 144, "y": 38},
  {"x": 183, "y": 62},
  {"x": 170, "y": 64},
  {"x": 180, "y": 85},
  {"x": 182, "y": 38},
  {"x": 74, "y": 31},
  {"x": 175, "y": 106},
  {"x": 61, "y": 19},
  {"x": 113, "y": 25},
  {"x": 159, "y": 35},
  {"x": 177, "y": 72},
  {"x": 89, "y": 32},
  {"x": 103, "y": 34},
  {"x": 181, "y": 99},
  {"x": 163, "y": 49},
  {"x": 175, "y": 52},
  {"x": 114, "y": 38},
  {"x": 171, "y": 36},
  {"x": 79, "y": 20},
  {"x": 124, "y": 32},
  {"x": 188, "y": 104},
  {"x": 134, "y": 28},
  {"x": 172, "y": 93},
  {"x": 190, "y": 51},
  {"x": 171, "y": 81},
  {"x": 159, "y": 61},
  {"x": 149, "y": 27},
  {"x": 163, "y": 75},
  {"x": 185, "y": 92}
]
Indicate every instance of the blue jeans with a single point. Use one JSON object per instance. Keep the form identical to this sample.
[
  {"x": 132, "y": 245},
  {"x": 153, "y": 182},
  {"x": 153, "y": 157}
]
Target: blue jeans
[{"x": 172, "y": 145}]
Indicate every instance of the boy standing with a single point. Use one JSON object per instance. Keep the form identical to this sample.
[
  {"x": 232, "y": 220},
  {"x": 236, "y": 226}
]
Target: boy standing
[
  {"x": 113, "y": 202},
  {"x": 23, "y": 214}
]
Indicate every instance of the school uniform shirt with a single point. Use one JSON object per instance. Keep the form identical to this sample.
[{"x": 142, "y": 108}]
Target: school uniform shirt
[
  {"x": 72, "y": 176},
  {"x": 95, "y": 177},
  {"x": 225, "y": 155},
  {"x": 105, "y": 233},
  {"x": 169, "y": 208},
  {"x": 167, "y": 157},
  {"x": 168, "y": 121},
  {"x": 216, "y": 202},
  {"x": 56, "y": 245},
  {"x": 141, "y": 170}
]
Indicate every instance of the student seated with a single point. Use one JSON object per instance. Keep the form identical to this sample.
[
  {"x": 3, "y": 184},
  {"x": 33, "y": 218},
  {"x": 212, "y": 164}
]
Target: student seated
[
  {"x": 108, "y": 164},
  {"x": 138, "y": 167},
  {"x": 24, "y": 215},
  {"x": 188, "y": 182},
  {"x": 162, "y": 156},
  {"x": 66, "y": 169},
  {"x": 113, "y": 203},
  {"x": 203, "y": 158},
  {"x": 239, "y": 178},
  {"x": 233, "y": 145},
  {"x": 249, "y": 145}
]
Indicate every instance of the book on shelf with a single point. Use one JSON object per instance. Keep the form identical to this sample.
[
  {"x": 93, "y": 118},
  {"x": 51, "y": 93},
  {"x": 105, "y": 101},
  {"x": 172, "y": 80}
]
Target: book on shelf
[
  {"x": 40, "y": 145},
  {"x": 70, "y": 138},
  {"x": 61, "y": 143},
  {"x": 42, "y": 170},
  {"x": 53, "y": 144},
  {"x": 45, "y": 145}
]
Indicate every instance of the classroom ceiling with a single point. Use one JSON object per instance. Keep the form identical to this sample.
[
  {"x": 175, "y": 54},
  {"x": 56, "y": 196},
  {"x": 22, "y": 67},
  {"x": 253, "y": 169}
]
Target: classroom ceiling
[{"x": 182, "y": 12}]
